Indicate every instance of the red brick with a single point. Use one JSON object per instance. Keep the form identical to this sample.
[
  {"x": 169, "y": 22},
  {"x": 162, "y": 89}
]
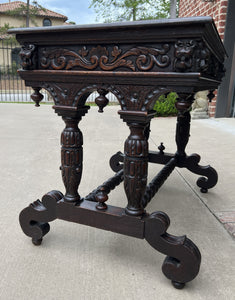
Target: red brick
[
  {"x": 210, "y": 11},
  {"x": 212, "y": 104},
  {"x": 226, "y": 216},
  {"x": 223, "y": 9},
  {"x": 211, "y": 115},
  {"x": 222, "y": 23},
  {"x": 224, "y": 3},
  {"x": 212, "y": 110},
  {"x": 208, "y": 6},
  {"x": 223, "y": 17}
]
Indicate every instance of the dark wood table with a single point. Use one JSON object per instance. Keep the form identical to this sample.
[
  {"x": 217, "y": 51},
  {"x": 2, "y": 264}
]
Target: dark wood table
[{"x": 137, "y": 62}]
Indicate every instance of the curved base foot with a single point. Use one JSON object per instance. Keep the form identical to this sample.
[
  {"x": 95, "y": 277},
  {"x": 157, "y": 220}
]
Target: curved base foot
[
  {"x": 183, "y": 257},
  {"x": 178, "y": 285},
  {"x": 37, "y": 242},
  {"x": 203, "y": 190},
  {"x": 33, "y": 219},
  {"x": 211, "y": 176}
]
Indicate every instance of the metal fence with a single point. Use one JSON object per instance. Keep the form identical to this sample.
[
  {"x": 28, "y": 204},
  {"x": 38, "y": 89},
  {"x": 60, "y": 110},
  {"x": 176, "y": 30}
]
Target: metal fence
[{"x": 12, "y": 87}]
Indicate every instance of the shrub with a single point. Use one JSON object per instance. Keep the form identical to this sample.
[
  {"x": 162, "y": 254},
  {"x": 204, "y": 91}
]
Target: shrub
[{"x": 165, "y": 105}]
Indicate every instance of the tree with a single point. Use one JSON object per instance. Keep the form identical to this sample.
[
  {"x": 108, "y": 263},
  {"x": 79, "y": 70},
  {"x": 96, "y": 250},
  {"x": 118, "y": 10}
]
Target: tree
[
  {"x": 132, "y": 10},
  {"x": 28, "y": 11},
  {"x": 173, "y": 8},
  {"x": 4, "y": 28}
]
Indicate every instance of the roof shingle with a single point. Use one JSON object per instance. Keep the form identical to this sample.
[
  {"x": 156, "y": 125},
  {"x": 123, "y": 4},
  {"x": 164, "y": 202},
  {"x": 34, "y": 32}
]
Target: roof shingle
[{"x": 4, "y": 7}]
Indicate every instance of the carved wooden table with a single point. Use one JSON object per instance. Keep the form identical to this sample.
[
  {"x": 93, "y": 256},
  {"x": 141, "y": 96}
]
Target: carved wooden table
[{"x": 137, "y": 62}]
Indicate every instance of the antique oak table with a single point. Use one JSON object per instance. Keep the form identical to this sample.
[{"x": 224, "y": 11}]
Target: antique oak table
[{"x": 137, "y": 62}]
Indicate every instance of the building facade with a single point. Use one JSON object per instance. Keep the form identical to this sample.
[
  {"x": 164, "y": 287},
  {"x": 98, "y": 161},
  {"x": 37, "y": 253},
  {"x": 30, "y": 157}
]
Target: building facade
[
  {"x": 43, "y": 17},
  {"x": 222, "y": 11}
]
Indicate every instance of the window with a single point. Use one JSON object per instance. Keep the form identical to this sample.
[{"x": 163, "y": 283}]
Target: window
[{"x": 47, "y": 22}]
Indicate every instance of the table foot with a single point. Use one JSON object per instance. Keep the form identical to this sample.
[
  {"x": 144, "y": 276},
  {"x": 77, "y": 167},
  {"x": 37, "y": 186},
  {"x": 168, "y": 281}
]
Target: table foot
[
  {"x": 183, "y": 257},
  {"x": 178, "y": 285},
  {"x": 33, "y": 219},
  {"x": 36, "y": 242},
  {"x": 210, "y": 176}
]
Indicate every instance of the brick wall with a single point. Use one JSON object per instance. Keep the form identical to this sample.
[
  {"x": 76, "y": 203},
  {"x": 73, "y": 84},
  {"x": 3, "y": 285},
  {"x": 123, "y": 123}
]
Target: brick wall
[{"x": 217, "y": 10}]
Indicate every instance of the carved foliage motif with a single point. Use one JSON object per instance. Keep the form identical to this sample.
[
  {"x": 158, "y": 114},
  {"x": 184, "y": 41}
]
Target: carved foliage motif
[
  {"x": 188, "y": 55},
  {"x": 140, "y": 98},
  {"x": 28, "y": 57},
  {"x": 67, "y": 94},
  {"x": 134, "y": 59}
]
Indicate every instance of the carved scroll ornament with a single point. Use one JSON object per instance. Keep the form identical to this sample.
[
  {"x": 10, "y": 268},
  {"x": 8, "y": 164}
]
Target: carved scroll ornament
[{"x": 134, "y": 59}]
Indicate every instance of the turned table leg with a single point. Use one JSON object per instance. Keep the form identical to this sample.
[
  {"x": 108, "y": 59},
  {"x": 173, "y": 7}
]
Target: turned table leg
[
  {"x": 34, "y": 218},
  {"x": 135, "y": 168},
  {"x": 71, "y": 158},
  {"x": 135, "y": 160},
  {"x": 71, "y": 152},
  {"x": 182, "y": 137},
  {"x": 183, "y": 125}
]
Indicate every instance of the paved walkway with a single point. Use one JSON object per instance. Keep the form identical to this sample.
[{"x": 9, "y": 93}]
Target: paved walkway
[{"x": 80, "y": 262}]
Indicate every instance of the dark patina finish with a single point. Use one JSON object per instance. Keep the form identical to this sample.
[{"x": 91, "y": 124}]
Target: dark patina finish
[{"x": 137, "y": 62}]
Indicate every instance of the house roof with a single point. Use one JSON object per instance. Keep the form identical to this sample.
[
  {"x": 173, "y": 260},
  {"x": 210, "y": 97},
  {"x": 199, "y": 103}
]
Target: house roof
[{"x": 4, "y": 7}]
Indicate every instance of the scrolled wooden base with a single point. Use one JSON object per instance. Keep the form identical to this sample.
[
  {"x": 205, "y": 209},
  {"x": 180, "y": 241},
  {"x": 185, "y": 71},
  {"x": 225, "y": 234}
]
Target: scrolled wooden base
[
  {"x": 211, "y": 176},
  {"x": 207, "y": 181},
  {"x": 183, "y": 257},
  {"x": 33, "y": 219}
]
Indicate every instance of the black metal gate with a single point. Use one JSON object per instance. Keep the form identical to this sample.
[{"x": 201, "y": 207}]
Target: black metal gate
[{"x": 12, "y": 87}]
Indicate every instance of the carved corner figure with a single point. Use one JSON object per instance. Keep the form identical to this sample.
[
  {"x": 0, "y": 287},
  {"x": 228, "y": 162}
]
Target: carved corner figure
[{"x": 200, "y": 106}]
